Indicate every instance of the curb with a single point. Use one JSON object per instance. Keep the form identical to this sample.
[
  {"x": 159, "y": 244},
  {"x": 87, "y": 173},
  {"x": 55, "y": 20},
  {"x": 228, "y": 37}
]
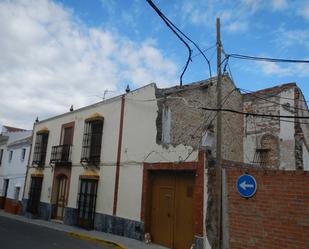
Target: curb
[{"x": 96, "y": 240}]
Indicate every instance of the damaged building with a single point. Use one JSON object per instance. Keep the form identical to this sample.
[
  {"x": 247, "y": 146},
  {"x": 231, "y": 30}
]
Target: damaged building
[
  {"x": 134, "y": 164},
  {"x": 277, "y": 142}
]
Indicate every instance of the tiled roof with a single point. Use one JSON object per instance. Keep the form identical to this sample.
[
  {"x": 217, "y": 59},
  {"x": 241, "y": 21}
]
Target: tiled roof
[{"x": 12, "y": 129}]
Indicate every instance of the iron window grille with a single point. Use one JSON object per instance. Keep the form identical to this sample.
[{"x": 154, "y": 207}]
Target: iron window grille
[
  {"x": 61, "y": 154},
  {"x": 92, "y": 140},
  {"x": 39, "y": 154},
  {"x": 261, "y": 156},
  {"x": 34, "y": 195}
]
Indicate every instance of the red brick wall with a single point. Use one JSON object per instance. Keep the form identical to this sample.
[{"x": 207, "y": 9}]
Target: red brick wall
[{"x": 276, "y": 217}]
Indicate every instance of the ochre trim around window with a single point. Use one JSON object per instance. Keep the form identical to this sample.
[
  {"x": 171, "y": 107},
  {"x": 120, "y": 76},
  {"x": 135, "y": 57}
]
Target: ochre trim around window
[
  {"x": 43, "y": 131},
  {"x": 37, "y": 174},
  {"x": 89, "y": 174},
  {"x": 95, "y": 116}
]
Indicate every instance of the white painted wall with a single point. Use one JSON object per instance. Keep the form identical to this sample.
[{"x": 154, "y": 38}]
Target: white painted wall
[
  {"x": 138, "y": 146},
  {"x": 14, "y": 169},
  {"x": 305, "y": 157},
  {"x": 286, "y": 135}
]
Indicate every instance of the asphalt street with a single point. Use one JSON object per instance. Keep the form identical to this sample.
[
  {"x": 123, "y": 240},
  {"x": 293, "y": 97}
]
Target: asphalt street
[{"x": 19, "y": 235}]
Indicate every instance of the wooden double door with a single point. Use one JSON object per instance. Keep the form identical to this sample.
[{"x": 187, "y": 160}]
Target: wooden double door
[{"x": 172, "y": 209}]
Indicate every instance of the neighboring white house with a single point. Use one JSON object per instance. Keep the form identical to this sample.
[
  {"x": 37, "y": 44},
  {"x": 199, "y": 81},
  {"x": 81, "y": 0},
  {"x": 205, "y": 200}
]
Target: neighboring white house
[
  {"x": 278, "y": 143},
  {"x": 15, "y": 146},
  {"x": 133, "y": 164}
]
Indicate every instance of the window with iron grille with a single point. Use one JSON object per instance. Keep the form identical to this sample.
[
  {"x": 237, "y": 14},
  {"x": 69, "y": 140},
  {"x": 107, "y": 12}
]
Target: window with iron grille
[
  {"x": 92, "y": 140},
  {"x": 34, "y": 195},
  {"x": 261, "y": 156},
  {"x": 40, "y": 148}
]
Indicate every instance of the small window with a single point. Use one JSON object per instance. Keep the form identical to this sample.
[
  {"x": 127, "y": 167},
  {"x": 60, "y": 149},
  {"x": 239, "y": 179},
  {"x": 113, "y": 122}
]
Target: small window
[
  {"x": 16, "y": 193},
  {"x": 1, "y": 155},
  {"x": 10, "y": 156},
  {"x": 23, "y": 154}
]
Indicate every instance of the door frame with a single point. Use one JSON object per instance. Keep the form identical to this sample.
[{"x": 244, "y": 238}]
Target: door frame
[
  {"x": 91, "y": 180},
  {"x": 58, "y": 172},
  {"x": 195, "y": 167},
  {"x": 66, "y": 195}
]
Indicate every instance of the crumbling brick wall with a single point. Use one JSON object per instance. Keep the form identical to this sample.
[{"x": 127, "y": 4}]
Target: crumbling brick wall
[
  {"x": 188, "y": 123},
  {"x": 301, "y": 129},
  {"x": 256, "y": 128},
  {"x": 276, "y": 216}
]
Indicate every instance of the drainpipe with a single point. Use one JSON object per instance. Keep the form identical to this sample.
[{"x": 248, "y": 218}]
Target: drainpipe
[
  {"x": 118, "y": 155},
  {"x": 28, "y": 165}
]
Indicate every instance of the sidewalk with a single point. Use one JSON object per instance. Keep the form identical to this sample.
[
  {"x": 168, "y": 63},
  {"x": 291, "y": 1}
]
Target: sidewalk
[{"x": 118, "y": 241}]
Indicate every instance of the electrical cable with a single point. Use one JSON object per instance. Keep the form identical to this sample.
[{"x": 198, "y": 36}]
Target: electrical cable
[
  {"x": 252, "y": 114},
  {"x": 267, "y": 59},
  {"x": 270, "y": 101},
  {"x": 180, "y": 38},
  {"x": 272, "y": 95}
]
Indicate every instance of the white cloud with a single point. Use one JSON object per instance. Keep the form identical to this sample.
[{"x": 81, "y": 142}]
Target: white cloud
[
  {"x": 236, "y": 16},
  {"x": 237, "y": 26},
  {"x": 279, "y": 4},
  {"x": 50, "y": 60},
  {"x": 271, "y": 68},
  {"x": 304, "y": 10}
]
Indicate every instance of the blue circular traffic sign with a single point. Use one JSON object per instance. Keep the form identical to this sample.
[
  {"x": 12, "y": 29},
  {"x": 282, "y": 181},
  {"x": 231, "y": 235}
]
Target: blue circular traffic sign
[{"x": 246, "y": 185}]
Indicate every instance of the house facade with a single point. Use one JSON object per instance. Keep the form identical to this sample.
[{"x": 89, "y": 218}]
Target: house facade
[
  {"x": 277, "y": 142},
  {"x": 14, "y": 153},
  {"x": 133, "y": 164}
]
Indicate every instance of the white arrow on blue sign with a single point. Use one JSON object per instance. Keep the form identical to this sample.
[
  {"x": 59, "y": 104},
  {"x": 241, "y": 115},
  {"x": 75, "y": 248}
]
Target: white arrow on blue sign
[{"x": 246, "y": 185}]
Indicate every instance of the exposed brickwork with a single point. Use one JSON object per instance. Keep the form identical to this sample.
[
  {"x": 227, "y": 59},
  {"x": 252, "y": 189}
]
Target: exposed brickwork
[
  {"x": 189, "y": 122},
  {"x": 276, "y": 217}
]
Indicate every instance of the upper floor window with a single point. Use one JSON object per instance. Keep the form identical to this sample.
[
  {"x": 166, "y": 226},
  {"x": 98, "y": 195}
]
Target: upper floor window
[
  {"x": 1, "y": 156},
  {"x": 92, "y": 140},
  {"x": 39, "y": 154},
  {"x": 10, "y": 155},
  {"x": 23, "y": 154}
]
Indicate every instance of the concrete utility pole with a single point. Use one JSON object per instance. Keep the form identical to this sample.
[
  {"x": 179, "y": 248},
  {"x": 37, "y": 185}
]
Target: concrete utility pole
[{"x": 219, "y": 139}]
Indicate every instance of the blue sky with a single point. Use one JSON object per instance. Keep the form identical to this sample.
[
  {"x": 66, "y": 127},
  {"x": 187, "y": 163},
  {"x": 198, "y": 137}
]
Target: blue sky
[{"x": 61, "y": 52}]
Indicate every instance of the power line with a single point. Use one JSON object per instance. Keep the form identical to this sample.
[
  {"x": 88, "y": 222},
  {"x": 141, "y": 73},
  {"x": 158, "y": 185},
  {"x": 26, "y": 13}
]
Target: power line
[
  {"x": 270, "y": 101},
  {"x": 210, "y": 122},
  {"x": 253, "y": 114},
  {"x": 204, "y": 50},
  {"x": 179, "y": 37},
  {"x": 267, "y": 59},
  {"x": 174, "y": 28},
  {"x": 271, "y": 95}
]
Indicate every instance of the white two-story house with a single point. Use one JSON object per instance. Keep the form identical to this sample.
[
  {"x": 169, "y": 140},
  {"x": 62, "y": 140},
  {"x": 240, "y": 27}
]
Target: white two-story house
[
  {"x": 15, "y": 146},
  {"x": 133, "y": 164}
]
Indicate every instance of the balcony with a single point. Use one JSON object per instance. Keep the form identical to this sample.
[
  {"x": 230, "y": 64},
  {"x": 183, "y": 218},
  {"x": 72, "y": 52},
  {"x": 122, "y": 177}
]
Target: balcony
[{"x": 61, "y": 155}]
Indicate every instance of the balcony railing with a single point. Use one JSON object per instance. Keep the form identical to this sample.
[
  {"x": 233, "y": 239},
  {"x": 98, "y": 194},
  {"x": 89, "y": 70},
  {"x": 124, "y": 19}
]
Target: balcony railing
[{"x": 61, "y": 154}]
